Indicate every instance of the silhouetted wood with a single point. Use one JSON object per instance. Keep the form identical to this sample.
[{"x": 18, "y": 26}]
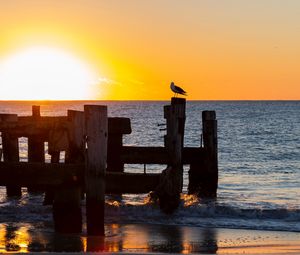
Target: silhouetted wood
[
  {"x": 87, "y": 137},
  {"x": 52, "y": 175},
  {"x": 67, "y": 200},
  {"x": 36, "y": 147},
  {"x": 170, "y": 187},
  {"x": 203, "y": 176},
  {"x": 96, "y": 124},
  {"x": 49, "y": 194},
  {"x": 117, "y": 127},
  {"x": 39, "y": 174},
  {"x": 10, "y": 146},
  {"x": 25, "y": 126},
  {"x": 133, "y": 183},
  {"x": 158, "y": 155}
]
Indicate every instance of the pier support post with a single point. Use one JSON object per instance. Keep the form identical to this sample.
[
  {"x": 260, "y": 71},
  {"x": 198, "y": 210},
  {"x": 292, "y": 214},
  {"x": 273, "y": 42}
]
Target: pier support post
[
  {"x": 10, "y": 146},
  {"x": 36, "y": 150},
  {"x": 117, "y": 127},
  {"x": 171, "y": 181},
  {"x": 96, "y": 125},
  {"x": 49, "y": 193},
  {"x": 203, "y": 176},
  {"x": 67, "y": 199}
]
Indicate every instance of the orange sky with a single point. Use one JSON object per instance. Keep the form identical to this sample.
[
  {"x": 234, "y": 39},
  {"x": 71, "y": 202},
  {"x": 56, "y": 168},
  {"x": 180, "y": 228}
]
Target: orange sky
[{"x": 213, "y": 49}]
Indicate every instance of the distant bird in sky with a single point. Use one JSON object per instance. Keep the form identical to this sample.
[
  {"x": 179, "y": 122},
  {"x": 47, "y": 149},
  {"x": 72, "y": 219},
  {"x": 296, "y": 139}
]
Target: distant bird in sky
[{"x": 177, "y": 90}]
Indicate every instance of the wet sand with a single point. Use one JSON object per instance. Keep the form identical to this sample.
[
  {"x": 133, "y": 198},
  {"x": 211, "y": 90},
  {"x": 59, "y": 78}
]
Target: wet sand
[{"x": 146, "y": 238}]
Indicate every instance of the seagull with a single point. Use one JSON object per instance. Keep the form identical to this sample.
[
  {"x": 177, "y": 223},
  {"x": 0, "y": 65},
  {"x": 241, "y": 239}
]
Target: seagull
[{"x": 177, "y": 90}]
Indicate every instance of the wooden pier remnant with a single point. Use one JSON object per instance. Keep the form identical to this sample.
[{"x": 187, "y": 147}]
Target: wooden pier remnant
[
  {"x": 36, "y": 147},
  {"x": 10, "y": 145},
  {"x": 95, "y": 158},
  {"x": 117, "y": 127},
  {"x": 203, "y": 175},
  {"x": 67, "y": 212},
  {"x": 171, "y": 181},
  {"x": 96, "y": 125}
]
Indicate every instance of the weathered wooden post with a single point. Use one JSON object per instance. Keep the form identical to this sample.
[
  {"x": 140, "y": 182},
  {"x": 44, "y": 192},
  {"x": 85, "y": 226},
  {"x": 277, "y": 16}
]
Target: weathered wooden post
[
  {"x": 203, "y": 175},
  {"x": 67, "y": 198},
  {"x": 49, "y": 194},
  {"x": 171, "y": 181},
  {"x": 10, "y": 146},
  {"x": 96, "y": 126},
  {"x": 117, "y": 127},
  {"x": 36, "y": 149}
]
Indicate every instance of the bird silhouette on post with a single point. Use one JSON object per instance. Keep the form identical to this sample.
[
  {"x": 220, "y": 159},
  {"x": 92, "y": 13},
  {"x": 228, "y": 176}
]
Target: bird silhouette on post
[{"x": 177, "y": 90}]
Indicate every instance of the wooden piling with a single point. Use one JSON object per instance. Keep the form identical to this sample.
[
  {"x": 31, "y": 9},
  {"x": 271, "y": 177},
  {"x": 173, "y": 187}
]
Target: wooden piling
[
  {"x": 96, "y": 126},
  {"x": 36, "y": 150},
  {"x": 203, "y": 175},
  {"x": 67, "y": 199},
  {"x": 171, "y": 181},
  {"x": 49, "y": 194},
  {"x": 36, "y": 147},
  {"x": 10, "y": 146},
  {"x": 117, "y": 127}
]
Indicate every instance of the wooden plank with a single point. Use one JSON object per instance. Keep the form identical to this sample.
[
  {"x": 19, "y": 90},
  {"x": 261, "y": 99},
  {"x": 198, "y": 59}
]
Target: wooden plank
[
  {"x": 39, "y": 174},
  {"x": 114, "y": 151},
  {"x": 96, "y": 131},
  {"x": 144, "y": 155},
  {"x": 36, "y": 146},
  {"x": 75, "y": 153},
  {"x": 158, "y": 155},
  {"x": 27, "y": 125},
  {"x": 10, "y": 146},
  {"x": 117, "y": 125},
  {"x": 67, "y": 214},
  {"x": 50, "y": 191},
  {"x": 55, "y": 174},
  {"x": 135, "y": 183}
]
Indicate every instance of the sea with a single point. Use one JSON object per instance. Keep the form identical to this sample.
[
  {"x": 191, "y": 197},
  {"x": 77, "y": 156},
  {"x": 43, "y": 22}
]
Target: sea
[{"x": 259, "y": 167}]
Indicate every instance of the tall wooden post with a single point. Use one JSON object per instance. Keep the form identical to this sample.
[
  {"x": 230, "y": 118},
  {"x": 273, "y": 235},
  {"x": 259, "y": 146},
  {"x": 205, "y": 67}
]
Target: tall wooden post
[
  {"x": 67, "y": 199},
  {"x": 49, "y": 193},
  {"x": 210, "y": 142},
  {"x": 10, "y": 145},
  {"x": 96, "y": 126},
  {"x": 203, "y": 175},
  {"x": 171, "y": 181},
  {"x": 117, "y": 127},
  {"x": 36, "y": 150}
]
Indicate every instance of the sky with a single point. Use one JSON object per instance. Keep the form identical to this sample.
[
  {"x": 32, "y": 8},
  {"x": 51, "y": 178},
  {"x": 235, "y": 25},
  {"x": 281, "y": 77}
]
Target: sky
[{"x": 215, "y": 50}]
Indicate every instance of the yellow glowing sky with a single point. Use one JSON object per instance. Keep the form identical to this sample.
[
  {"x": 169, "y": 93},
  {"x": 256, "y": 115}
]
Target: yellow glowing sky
[{"x": 133, "y": 49}]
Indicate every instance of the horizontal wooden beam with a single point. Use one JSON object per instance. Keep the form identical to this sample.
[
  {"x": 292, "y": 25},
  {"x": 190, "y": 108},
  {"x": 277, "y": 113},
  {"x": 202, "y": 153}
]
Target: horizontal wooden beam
[
  {"x": 43, "y": 175},
  {"x": 40, "y": 174},
  {"x": 158, "y": 155},
  {"x": 118, "y": 125},
  {"x": 28, "y": 125},
  {"x": 144, "y": 155},
  {"x": 134, "y": 183}
]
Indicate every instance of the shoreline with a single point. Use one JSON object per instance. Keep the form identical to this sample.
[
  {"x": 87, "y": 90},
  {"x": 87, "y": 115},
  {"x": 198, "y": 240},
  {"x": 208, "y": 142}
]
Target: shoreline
[{"x": 149, "y": 239}]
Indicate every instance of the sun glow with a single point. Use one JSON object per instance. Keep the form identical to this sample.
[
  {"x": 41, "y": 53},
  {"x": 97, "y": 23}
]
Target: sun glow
[{"x": 42, "y": 73}]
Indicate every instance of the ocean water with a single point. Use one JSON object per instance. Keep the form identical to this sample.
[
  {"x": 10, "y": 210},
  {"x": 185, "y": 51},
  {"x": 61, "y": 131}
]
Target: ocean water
[{"x": 259, "y": 166}]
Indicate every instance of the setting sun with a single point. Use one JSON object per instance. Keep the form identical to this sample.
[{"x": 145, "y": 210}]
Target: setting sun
[{"x": 43, "y": 73}]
